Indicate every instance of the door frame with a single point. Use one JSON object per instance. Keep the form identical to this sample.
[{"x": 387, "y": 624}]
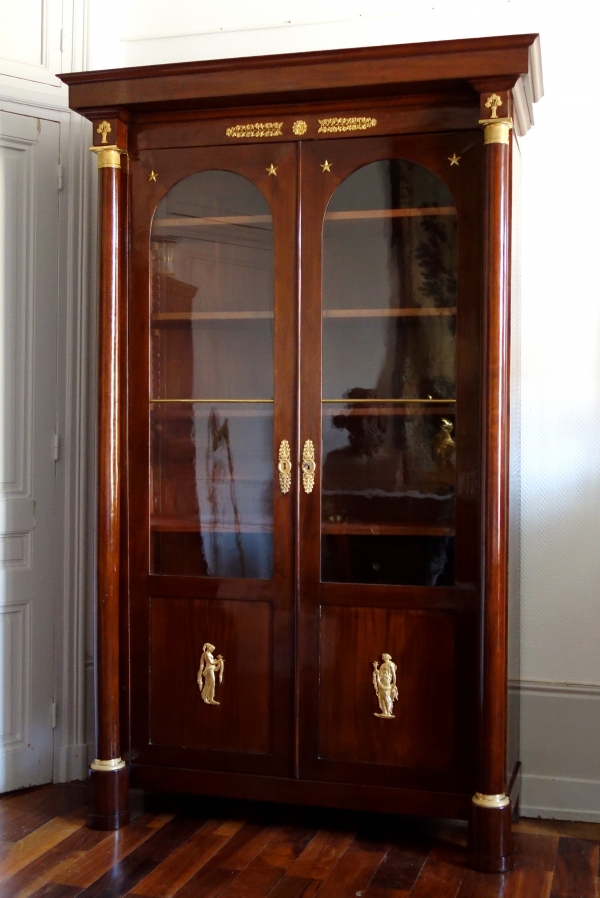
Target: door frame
[
  {"x": 74, "y": 571},
  {"x": 138, "y": 584}
]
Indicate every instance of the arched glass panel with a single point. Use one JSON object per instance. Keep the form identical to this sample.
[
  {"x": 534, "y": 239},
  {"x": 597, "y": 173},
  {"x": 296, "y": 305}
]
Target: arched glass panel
[
  {"x": 389, "y": 359},
  {"x": 212, "y": 379}
]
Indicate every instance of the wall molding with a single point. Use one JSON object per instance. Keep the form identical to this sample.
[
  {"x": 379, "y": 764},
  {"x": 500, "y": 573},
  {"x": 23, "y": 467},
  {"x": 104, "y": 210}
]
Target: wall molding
[
  {"x": 560, "y": 798},
  {"x": 546, "y": 687}
]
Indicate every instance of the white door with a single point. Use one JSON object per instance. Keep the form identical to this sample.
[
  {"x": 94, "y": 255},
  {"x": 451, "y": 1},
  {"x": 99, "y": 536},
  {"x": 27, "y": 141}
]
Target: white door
[{"x": 29, "y": 155}]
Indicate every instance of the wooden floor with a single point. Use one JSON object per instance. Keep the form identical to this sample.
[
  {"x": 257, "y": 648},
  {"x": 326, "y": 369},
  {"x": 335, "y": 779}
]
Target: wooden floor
[{"x": 203, "y": 848}]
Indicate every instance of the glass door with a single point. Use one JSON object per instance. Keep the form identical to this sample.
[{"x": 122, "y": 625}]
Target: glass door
[
  {"x": 212, "y": 358},
  {"x": 211, "y": 513},
  {"x": 387, "y": 631},
  {"x": 389, "y": 378}
]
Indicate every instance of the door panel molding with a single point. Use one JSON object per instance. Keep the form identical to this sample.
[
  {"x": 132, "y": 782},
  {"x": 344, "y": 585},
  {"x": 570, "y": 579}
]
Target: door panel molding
[
  {"x": 29, "y": 153},
  {"x": 263, "y": 652},
  {"x": 38, "y": 61},
  {"x": 15, "y": 662},
  {"x": 18, "y": 162},
  {"x": 71, "y": 581}
]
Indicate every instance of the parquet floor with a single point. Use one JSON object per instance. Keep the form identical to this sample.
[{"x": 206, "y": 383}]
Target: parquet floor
[{"x": 203, "y": 848}]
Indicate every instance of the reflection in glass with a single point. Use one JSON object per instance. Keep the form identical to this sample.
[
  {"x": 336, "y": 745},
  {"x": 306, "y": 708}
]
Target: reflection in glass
[
  {"x": 216, "y": 490},
  {"x": 389, "y": 314},
  {"x": 212, "y": 379}
]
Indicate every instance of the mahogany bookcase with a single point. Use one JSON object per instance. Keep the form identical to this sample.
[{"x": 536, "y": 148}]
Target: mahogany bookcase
[{"x": 303, "y": 462}]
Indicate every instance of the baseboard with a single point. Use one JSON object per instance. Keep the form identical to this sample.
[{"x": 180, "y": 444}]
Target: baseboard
[
  {"x": 560, "y": 723},
  {"x": 560, "y": 798}
]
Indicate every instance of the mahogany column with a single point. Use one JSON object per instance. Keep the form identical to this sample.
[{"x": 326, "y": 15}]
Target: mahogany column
[
  {"x": 491, "y": 845},
  {"x": 108, "y": 776}
]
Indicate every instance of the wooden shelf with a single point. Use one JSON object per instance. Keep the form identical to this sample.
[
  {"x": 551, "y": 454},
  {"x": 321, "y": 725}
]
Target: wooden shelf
[
  {"x": 174, "y": 409},
  {"x": 167, "y": 317},
  {"x": 177, "y": 413},
  {"x": 350, "y": 215},
  {"x": 362, "y": 214},
  {"x": 171, "y": 409},
  {"x": 267, "y": 480},
  {"x": 391, "y": 412},
  {"x": 364, "y": 529},
  {"x": 390, "y": 313},
  {"x": 177, "y": 317},
  {"x": 396, "y": 401},
  {"x": 169, "y": 524},
  {"x": 217, "y": 220}
]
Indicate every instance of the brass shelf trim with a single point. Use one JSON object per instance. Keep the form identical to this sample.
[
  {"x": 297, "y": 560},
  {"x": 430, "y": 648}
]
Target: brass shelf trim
[
  {"x": 387, "y": 401},
  {"x": 245, "y": 401},
  {"x": 435, "y": 312}
]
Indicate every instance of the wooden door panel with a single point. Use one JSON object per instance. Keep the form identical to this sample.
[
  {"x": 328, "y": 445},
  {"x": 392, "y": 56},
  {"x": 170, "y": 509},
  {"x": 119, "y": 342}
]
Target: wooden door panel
[
  {"x": 241, "y": 633},
  {"x": 421, "y": 644}
]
